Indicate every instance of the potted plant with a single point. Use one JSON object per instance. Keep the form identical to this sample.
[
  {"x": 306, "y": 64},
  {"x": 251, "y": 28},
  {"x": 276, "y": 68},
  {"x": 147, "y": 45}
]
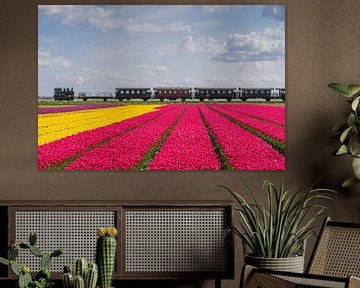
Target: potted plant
[
  {"x": 349, "y": 132},
  {"x": 276, "y": 233},
  {"x": 42, "y": 278}
]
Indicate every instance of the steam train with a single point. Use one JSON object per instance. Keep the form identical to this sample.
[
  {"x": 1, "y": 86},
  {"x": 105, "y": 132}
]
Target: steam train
[
  {"x": 64, "y": 93},
  {"x": 173, "y": 93}
]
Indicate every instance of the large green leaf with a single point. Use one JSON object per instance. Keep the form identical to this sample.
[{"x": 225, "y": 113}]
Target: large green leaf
[
  {"x": 340, "y": 88},
  {"x": 349, "y": 182},
  {"x": 353, "y": 89},
  {"x": 351, "y": 120},
  {"x": 355, "y": 103},
  {"x": 345, "y": 134},
  {"x": 356, "y": 167},
  {"x": 342, "y": 150},
  {"x": 354, "y": 145}
]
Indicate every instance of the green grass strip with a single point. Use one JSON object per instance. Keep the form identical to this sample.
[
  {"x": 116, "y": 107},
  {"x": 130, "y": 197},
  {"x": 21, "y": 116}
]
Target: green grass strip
[
  {"x": 277, "y": 145},
  {"x": 217, "y": 148},
  {"x": 149, "y": 156},
  {"x": 63, "y": 164}
]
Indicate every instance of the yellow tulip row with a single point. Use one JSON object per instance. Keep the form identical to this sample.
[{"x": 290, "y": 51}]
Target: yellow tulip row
[{"x": 55, "y": 126}]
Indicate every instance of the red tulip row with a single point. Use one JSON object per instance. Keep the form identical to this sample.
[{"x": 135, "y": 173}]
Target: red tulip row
[
  {"x": 126, "y": 151},
  {"x": 244, "y": 150},
  {"x": 275, "y": 131},
  {"x": 188, "y": 147},
  {"x": 54, "y": 153}
]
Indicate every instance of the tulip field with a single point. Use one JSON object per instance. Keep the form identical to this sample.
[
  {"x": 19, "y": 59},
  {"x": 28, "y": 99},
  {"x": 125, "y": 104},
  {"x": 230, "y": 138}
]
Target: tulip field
[{"x": 178, "y": 136}]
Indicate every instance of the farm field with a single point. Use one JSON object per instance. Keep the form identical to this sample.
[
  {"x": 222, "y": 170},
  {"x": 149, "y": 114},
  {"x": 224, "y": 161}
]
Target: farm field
[{"x": 154, "y": 136}]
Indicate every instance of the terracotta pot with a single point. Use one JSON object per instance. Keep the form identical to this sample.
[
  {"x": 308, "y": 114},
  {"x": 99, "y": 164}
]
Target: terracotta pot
[{"x": 291, "y": 264}]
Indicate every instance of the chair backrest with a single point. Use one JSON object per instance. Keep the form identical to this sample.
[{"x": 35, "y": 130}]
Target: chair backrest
[{"x": 337, "y": 251}]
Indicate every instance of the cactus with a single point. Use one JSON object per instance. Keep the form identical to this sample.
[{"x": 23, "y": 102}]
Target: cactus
[
  {"x": 87, "y": 272},
  {"x": 67, "y": 269},
  {"x": 4, "y": 261},
  {"x": 42, "y": 278},
  {"x": 91, "y": 276},
  {"x": 105, "y": 255},
  {"x": 36, "y": 251},
  {"x": 14, "y": 268},
  {"x": 45, "y": 261},
  {"x": 68, "y": 280},
  {"x": 13, "y": 253},
  {"x": 79, "y": 282},
  {"x": 80, "y": 268},
  {"x": 57, "y": 252},
  {"x": 32, "y": 239},
  {"x": 24, "y": 277}
]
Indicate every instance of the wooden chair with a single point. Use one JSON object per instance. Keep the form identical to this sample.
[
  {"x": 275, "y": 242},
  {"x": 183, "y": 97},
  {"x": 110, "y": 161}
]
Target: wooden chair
[{"x": 334, "y": 263}]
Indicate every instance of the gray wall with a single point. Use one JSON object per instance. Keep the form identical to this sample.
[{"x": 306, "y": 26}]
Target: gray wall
[{"x": 322, "y": 46}]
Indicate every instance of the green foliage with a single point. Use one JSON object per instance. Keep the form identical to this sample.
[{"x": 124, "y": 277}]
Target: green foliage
[
  {"x": 42, "y": 278},
  {"x": 349, "y": 131},
  {"x": 280, "y": 229},
  {"x": 42, "y": 283}
]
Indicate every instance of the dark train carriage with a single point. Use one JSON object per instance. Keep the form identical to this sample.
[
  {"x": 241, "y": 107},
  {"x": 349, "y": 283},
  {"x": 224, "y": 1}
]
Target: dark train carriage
[
  {"x": 132, "y": 93},
  {"x": 215, "y": 93},
  {"x": 255, "y": 93},
  {"x": 172, "y": 93},
  {"x": 63, "y": 93},
  {"x": 281, "y": 93}
]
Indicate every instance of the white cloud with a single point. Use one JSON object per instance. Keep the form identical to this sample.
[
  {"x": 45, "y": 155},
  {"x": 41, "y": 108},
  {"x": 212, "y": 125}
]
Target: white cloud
[
  {"x": 149, "y": 70},
  {"x": 161, "y": 68},
  {"x": 106, "y": 19},
  {"x": 220, "y": 82},
  {"x": 187, "y": 44},
  {"x": 45, "y": 59},
  {"x": 179, "y": 27},
  {"x": 267, "y": 45},
  {"x": 263, "y": 73},
  {"x": 95, "y": 16},
  {"x": 133, "y": 26},
  {"x": 210, "y": 44},
  {"x": 215, "y": 8},
  {"x": 87, "y": 75}
]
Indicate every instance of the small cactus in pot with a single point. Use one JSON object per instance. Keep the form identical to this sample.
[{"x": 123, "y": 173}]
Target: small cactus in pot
[{"x": 106, "y": 254}]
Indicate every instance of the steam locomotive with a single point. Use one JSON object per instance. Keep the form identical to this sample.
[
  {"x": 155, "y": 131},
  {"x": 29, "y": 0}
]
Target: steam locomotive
[
  {"x": 64, "y": 93},
  {"x": 173, "y": 93}
]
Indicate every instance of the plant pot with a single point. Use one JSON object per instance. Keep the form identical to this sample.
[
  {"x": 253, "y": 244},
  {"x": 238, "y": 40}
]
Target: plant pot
[{"x": 291, "y": 264}]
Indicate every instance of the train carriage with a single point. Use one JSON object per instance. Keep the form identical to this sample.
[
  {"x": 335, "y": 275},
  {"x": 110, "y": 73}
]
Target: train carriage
[
  {"x": 215, "y": 93},
  {"x": 132, "y": 93},
  {"x": 256, "y": 93},
  {"x": 172, "y": 93}
]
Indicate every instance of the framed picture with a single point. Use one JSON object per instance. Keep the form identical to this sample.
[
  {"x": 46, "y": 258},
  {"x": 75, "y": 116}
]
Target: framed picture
[{"x": 161, "y": 87}]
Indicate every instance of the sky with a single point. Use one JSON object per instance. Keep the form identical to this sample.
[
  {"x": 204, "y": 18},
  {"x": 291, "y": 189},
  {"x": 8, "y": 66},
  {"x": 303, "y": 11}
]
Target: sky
[{"x": 97, "y": 48}]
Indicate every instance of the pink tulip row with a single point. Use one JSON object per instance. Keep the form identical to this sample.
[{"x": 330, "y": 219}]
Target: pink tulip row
[
  {"x": 188, "y": 147},
  {"x": 270, "y": 113},
  {"x": 244, "y": 150},
  {"x": 58, "y": 151},
  {"x": 61, "y": 109},
  {"x": 272, "y": 130},
  {"x": 127, "y": 150}
]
